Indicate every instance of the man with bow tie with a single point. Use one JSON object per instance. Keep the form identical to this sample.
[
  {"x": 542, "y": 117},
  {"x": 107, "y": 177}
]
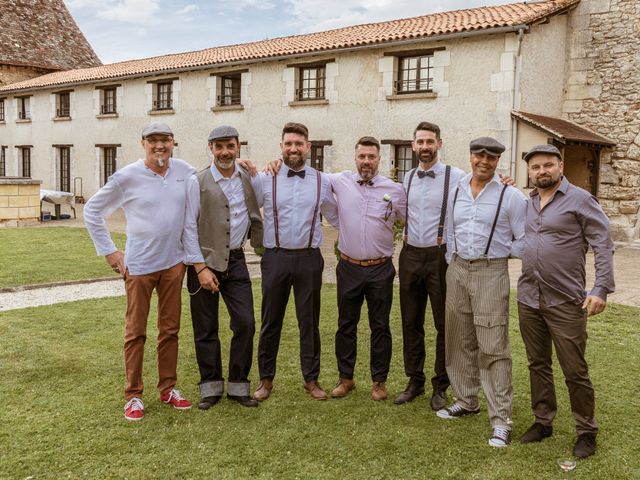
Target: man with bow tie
[
  {"x": 422, "y": 265},
  {"x": 368, "y": 206},
  {"x": 292, "y": 200}
]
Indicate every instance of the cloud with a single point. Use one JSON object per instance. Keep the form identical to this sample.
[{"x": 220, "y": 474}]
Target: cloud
[
  {"x": 255, "y": 4},
  {"x": 192, "y": 7},
  {"x": 129, "y": 11}
]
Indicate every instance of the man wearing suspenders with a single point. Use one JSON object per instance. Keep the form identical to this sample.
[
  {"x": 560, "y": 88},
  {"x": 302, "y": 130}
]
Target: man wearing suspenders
[
  {"x": 222, "y": 212},
  {"x": 484, "y": 218},
  {"x": 422, "y": 265},
  {"x": 292, "y": 201}
]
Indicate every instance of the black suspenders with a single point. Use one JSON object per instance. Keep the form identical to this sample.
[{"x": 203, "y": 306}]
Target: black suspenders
[
  {"x": 443, "y": 209},
  {"x": 274, "y": 187},
  {"x": 493, "y": 227}
]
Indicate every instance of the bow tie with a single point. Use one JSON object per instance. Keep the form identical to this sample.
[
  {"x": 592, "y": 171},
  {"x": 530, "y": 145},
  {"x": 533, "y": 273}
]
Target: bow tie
[
  {"x": 428, "y": 173},
  {"x": 299, "y": 173},
  {"x": 365, "y": 182}
]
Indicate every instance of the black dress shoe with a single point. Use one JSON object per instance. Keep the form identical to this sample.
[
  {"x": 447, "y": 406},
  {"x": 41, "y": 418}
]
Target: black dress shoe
[
  {"x": 585, "y": 445},
  {"x": 411, "y": 392},
  {"x": 207, "y": 402},
  {"x": 536, "y": 433},
  {"x": 438, "y": 400},
  {"x": 244, "y": 400}
]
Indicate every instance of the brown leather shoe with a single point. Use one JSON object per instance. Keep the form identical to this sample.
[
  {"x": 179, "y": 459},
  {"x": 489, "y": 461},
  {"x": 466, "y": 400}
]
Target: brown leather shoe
[
  {"x": 264, "y": 390},
  {"x": 344, "y": 386},
  {"x": 314, "y": 389},
  {"x": 378, "y": 391}
]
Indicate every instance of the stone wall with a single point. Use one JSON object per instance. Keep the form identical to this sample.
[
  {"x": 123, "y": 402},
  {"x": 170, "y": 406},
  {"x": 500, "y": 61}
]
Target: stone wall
[
  {"x": 603, "y": 93},
  {"x": 19, "y": 201},
  {"x": 14, "y": 73}
]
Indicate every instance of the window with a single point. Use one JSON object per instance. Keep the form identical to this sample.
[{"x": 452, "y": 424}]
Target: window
[
  {"x": 404, "y": 161},
  {"x": 108, "y": 162},
  {"x": 3, "y": 161},
  {"x": 415, "y": 74},
  {"x": 315, "y": 157},
  {"x": 163, "y": 98},
  {"x": 63, "y": 105},
  {"x": 108, "y": 100},
  {"x": 229, "y": 90},
  {"x": 1, "y": 109},
  {"x": 64, "y": 177},
  {"x": 23, "y": 108},
  {"x": 25, "y": 161},
  {"x": 311, "y": 83}
]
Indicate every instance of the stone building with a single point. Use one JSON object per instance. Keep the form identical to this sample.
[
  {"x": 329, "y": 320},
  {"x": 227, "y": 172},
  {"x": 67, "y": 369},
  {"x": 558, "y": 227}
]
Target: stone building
[
  {"x": 39, "y": 37},
  {"x": 558, "y": 71}
]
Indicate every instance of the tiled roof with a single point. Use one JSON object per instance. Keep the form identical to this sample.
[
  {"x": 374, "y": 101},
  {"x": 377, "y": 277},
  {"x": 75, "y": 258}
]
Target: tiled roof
[
  {"x": 563, "y": 130},
  {"x": 437, "y": 24},
  {"x": 42, "y": 33}
]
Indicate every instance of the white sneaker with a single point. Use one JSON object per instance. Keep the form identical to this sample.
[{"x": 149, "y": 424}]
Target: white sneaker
[
  {"x": 501, "y": 437},
  {"x": 455, "y": 411}
]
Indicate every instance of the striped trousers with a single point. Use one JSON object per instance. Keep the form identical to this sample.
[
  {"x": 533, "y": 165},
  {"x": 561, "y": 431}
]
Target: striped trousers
[{"x": 477, "y": 335}]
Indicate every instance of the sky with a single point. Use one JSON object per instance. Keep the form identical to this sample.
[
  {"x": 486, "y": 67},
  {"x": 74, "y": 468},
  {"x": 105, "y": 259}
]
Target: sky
[{"x": 121, "y": 30}]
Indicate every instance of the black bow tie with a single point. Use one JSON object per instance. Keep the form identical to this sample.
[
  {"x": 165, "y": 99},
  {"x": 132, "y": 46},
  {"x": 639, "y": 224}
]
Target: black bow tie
[
  {"x": 428, "y": 173},
  {"x": 299, "y": 173},
  {"x": 365, "y": 182}
]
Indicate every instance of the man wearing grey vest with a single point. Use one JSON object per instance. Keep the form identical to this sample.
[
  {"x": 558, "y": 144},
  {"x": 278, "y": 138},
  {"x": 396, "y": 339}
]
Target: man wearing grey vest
[{"x": 222, "y": 212}]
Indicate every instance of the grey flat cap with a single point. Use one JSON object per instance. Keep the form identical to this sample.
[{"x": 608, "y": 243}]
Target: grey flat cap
[
  {"x": 488, "y": 145},
  {"x": 543, "y": 148},
  {"x": 156, "y": 128},
  {"x": 223, "y": 131}
]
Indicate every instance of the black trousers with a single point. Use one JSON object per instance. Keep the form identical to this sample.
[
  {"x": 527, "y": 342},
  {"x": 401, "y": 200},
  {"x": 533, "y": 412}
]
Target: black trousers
[
  {"x": 282, "y": 270},
  {"x": 355, "y": 284},
  {"x": 235, "y": 287},
  {"x": 422, "y": 274}
]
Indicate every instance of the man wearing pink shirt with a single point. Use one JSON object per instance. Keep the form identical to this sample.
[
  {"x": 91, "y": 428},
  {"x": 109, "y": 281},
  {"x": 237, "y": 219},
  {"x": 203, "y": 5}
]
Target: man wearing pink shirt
[{"x": 368, "y": 206}]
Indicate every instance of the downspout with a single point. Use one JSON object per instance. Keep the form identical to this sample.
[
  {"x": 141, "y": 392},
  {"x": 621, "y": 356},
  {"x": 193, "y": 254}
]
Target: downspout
[{"x": 516, "y": 103}]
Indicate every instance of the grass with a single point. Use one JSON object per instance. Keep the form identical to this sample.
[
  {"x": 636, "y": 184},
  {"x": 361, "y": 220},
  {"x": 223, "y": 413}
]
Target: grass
[
  {"x": 62, "y": 378},
  {"x": 45, "y": 255}
]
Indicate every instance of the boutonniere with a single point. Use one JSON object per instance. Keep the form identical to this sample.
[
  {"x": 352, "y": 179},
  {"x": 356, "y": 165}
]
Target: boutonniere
[{"x": 387, "y": 199}]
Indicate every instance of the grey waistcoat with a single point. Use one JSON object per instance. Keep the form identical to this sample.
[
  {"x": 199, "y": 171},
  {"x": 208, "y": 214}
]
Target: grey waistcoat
[{"x": 214, "y": 220}]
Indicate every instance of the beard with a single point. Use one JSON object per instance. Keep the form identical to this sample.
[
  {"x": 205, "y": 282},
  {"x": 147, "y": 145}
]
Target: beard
[
  {"x": 295, "y": 163},
  {"x": 366, "y": 173},
  {"x": 427, "y": 156},
  {"x": 546, "y": 182},
  {"x": 224, "y": 163}
]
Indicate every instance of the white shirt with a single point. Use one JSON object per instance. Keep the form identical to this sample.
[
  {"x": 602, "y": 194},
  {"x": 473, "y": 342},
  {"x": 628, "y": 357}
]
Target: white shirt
[
  {"x": 154, "y": 207},
  {"x": 425, "y": 204},
  {"x": 238, "y": 213},
  {"x": 296, "y": 201},
  {"x": 469, "y": 221}
]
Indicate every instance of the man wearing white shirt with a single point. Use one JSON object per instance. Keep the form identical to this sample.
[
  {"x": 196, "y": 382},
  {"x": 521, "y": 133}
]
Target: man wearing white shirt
[
  {"x": 222, "y": 212},
  {"x": 292, "y": 201},
  {"x": 484, "y": 218},
  {"x": 151, "y": 192},
  {"x": 422, "y": 263}
]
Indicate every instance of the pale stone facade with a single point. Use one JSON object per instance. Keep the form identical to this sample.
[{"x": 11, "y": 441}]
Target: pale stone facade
[{"x": 603, "y": 92}]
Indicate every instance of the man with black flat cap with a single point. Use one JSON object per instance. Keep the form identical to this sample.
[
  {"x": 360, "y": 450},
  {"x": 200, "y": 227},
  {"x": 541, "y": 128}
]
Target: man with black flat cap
[
  {"x": 222, "y": 212},
  {"x": 562, "y": 221},
  {"x": 484, "y": 217}
]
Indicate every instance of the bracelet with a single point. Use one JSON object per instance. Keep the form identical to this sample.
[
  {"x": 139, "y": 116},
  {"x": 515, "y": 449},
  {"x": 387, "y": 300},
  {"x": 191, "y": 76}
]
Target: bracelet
[{"x": 201, "y": 270}]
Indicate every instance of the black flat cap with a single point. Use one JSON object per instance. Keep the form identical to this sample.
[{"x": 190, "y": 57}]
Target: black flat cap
[
  {"x": 488, "y": 145},
  {"x": 543, "y": 148},
  {"x": 223, "y": 131}
]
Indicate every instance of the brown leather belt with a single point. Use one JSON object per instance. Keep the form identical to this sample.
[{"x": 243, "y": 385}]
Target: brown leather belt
[{"x": 364, "y": 263}]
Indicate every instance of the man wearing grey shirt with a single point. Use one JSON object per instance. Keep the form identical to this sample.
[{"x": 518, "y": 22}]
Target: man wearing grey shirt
[
  {"x": 152, "y": 194},
  {"x": 562, "y": 221}
]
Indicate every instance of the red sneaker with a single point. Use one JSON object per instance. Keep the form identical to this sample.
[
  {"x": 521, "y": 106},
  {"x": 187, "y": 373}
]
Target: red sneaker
[
  {"x": 134, "y": 410},
  {"x": 174, "y": 398}
]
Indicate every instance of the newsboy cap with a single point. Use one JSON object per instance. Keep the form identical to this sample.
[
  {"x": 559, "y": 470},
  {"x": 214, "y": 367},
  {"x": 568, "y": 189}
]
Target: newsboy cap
[
  {"x": 156, "y": 128},
  {"x": 486, "y": 144},
  {"x": 223, "y": 131},
  {"x": 543, "y": 148}
]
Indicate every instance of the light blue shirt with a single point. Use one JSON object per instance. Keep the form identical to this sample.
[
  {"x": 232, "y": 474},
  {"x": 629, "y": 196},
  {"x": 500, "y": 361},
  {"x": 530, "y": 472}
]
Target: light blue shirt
[
  {"x": 469, "y": 221},
  {"x": 154, "y": 207},
  {"x": 295, "y": 202},
  {"x": 425, "y": 204}
]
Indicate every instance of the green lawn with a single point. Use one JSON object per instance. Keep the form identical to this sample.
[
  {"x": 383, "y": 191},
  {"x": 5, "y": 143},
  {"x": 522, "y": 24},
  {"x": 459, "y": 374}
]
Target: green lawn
[
  {"x": 45, "y": 255},
  {"x": 62, "y": 378}
]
